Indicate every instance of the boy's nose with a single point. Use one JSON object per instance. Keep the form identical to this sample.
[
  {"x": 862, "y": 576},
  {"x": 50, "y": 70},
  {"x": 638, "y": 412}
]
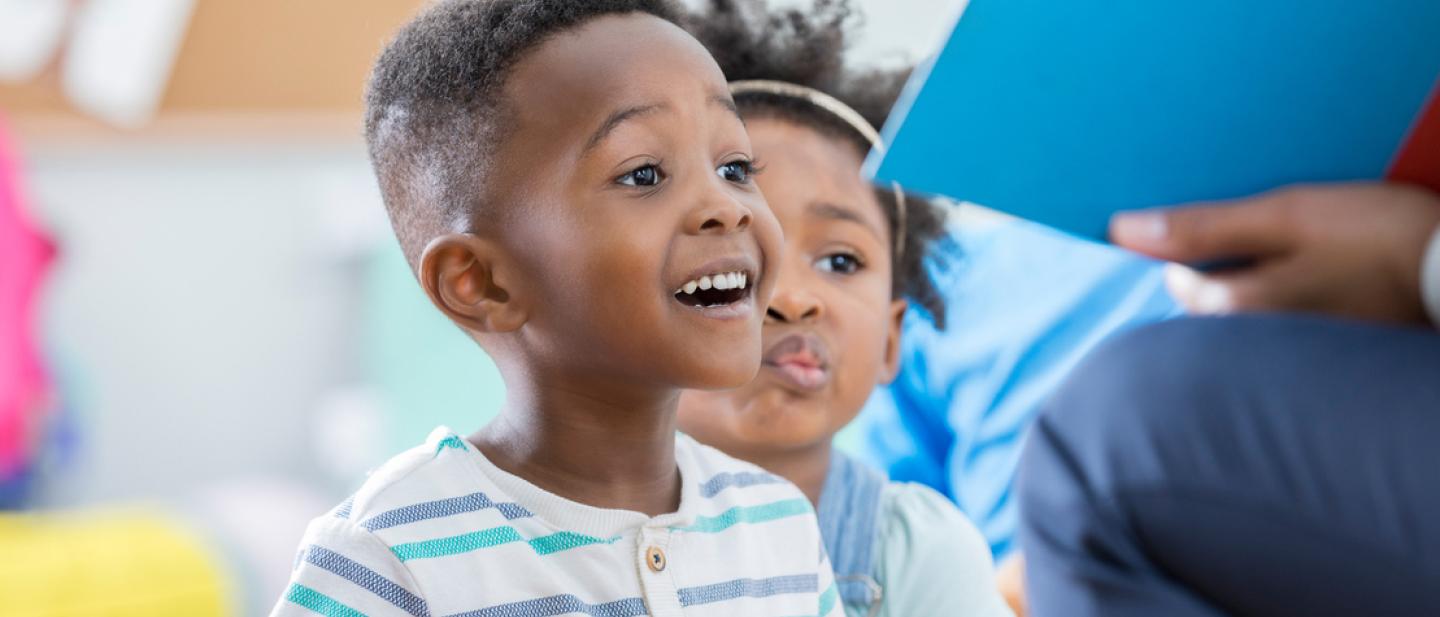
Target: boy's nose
[
  {"x": 718, "y": 215},
  {"x": 793, "y": 305}
]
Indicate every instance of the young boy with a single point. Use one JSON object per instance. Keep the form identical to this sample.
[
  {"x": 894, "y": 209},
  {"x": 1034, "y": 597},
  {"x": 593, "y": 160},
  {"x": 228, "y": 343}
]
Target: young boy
[
  {"x": 853, "y": 257},
  {"x": 571, "y": 183}
]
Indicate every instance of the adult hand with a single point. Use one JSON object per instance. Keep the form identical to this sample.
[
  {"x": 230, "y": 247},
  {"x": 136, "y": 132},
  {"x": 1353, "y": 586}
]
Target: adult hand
[{"x": 1350, "y": 250}]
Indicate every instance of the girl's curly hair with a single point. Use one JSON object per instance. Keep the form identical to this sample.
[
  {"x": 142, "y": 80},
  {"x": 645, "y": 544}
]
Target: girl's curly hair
[{"x": 749, "y": 40}]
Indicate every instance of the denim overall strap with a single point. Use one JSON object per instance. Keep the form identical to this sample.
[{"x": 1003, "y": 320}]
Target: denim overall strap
[{"x": 848, "y": 512}]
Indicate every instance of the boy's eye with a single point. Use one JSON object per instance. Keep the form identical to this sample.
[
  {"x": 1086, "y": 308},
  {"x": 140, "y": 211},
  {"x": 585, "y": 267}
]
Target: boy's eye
[
  {"x": 736, "y": 171},
  {"x": 843, "y": 263},
  {"x": 648, "y": 175}
]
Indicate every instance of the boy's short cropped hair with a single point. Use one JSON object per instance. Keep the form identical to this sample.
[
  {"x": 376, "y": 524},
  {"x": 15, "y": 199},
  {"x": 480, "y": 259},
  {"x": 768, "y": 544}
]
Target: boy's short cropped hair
[{"x": 434, "y": 110}]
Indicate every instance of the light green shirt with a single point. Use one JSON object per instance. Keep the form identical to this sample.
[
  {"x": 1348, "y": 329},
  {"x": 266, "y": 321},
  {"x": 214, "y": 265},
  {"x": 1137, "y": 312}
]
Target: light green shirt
[{"x": 929, "y": 559}]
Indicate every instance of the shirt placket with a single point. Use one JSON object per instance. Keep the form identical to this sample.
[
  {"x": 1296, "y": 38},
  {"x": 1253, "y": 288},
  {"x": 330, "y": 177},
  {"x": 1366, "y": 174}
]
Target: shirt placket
[{"x": 655, "y": 554}]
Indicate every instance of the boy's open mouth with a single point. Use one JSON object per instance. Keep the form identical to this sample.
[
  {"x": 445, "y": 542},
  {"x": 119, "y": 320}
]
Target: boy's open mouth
[{"x": 719, "y": 289}]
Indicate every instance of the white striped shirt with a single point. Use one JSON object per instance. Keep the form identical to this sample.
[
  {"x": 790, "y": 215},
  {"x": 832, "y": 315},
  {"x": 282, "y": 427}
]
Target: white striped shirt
[{"x": 440, "y": 531}]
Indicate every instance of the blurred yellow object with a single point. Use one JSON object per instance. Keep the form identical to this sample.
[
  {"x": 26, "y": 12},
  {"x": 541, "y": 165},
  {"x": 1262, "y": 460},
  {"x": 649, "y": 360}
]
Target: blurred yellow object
[{"x": 107, "y": 564}]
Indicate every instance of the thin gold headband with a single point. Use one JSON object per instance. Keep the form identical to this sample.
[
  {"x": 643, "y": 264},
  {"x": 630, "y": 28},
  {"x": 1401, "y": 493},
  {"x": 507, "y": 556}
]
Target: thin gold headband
[{"x": 840, "y": 110}]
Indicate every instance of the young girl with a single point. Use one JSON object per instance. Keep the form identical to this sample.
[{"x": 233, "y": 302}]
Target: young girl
[{"x": 854, "y": 256}]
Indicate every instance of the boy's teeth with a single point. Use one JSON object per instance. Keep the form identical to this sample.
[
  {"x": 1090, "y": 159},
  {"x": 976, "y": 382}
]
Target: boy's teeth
[{"x": 725, "y": 281}]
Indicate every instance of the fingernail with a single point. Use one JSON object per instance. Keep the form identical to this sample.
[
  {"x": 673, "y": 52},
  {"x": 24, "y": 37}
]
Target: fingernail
[
  {"x": 1143, "y": 225},
  {"x": 1214, "y": 298},
  {"x": 1198, "y": 294},
  {"x": 1181, "y": 281}
]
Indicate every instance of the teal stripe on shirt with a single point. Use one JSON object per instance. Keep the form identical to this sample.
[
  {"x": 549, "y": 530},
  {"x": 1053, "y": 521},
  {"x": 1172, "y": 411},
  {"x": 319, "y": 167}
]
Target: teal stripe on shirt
[
  {"x": 495, "y": 536},
  {"x": 449, "y": 442},
  {"x": 565, "y": 540},
  {"x": 749, "y": 514},
  {"x": 828, "y": 599},
  {"x": 319, "y": 602}
]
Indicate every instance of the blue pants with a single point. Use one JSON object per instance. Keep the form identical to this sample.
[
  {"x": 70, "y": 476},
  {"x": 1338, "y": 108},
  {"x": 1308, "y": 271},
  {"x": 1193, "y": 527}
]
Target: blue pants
[{"x": 1258, "y": 465}]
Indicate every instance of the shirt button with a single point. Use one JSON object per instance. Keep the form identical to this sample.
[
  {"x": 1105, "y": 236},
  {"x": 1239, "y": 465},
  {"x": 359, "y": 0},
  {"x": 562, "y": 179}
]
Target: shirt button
[{"x": 655, "y": 558}]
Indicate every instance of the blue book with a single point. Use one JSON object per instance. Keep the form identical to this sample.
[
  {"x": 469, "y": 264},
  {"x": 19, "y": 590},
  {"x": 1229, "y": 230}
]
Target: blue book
[{"x": 1066, "y": 111}]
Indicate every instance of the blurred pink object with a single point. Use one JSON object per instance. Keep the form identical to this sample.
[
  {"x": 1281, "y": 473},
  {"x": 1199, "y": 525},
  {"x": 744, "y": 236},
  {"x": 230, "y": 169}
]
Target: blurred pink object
[{"x": 24, "y": 256}]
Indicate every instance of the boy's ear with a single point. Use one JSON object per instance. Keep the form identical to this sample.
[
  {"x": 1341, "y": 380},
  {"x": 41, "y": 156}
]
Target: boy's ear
[
  {"x": 892, "y": 341},
  {"x": 466, "y": 278}
]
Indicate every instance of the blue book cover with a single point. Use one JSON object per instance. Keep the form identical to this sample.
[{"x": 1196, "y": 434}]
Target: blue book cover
[{"x": 1066, "y": 111}]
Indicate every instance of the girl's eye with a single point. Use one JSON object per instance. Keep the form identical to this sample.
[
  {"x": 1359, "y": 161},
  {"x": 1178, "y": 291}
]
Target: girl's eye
[
  {"x": 648, "y": 175},
  {"x": 843, "y": 263},
  {"x": 736, "y": 171}
]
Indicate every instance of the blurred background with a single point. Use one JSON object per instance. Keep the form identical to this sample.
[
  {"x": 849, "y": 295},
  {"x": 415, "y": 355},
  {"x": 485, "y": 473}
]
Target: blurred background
[{"x": 207, "y": 332}]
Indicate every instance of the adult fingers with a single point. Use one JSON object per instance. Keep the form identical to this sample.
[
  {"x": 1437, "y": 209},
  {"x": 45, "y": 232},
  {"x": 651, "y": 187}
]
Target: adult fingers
[{"x": 1253, "y": 227}]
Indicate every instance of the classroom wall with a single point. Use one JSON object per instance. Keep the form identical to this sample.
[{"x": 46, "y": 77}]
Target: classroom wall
[
  {"x": 256, "y": 56},
  {"x": 197, "y": 313}
]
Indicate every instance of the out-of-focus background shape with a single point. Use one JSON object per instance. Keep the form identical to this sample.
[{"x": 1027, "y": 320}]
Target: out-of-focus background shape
[{"x": 209, "y": 334}]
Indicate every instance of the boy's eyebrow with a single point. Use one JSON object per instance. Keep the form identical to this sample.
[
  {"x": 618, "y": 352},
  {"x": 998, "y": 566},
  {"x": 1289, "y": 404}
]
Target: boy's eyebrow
[
  {"x": 621, "y": 115},
  {"x": 729, "y": 105},
  {"x": 840, "y": 213},
  {"x": 616, "y": 119}
]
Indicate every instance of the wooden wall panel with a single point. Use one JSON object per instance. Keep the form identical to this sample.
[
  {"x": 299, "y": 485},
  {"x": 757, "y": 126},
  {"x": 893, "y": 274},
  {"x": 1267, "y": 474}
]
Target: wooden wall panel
[{"x": 255, "y": 58}]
